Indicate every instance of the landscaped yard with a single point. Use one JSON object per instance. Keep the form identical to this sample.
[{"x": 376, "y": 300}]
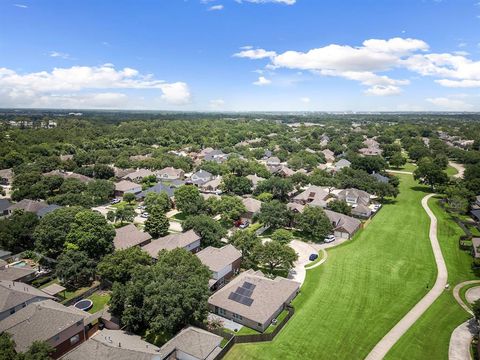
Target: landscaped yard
[
  {"x": 429, "y": 337},
  {"x": 366, "y": 286},
  {"x": 100, "y": 300},
  {"x": 451, "y": 171},
  {"x": 67, "y": 295}
]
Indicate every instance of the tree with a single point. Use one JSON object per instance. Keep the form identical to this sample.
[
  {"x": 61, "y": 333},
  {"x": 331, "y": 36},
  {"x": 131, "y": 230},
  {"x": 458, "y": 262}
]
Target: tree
[
  {"x": 277, "y": 186},
  {"x": 246, "y": 241},
  {"x": 476, "y": 309},
  {"x": 39, "y": 350},
  {"x": 122, "y": 264},
  {"x": 160, "y": 200},
  {"x": 282, "y": 236},
  {"x": 188, "y": 199},
  {"x": 276, "y": 256},
  {"x": 231, "y": 208},
  {"x": 7, "y": 347},
  {"x": 314, "y": 223},
  {"x": 274, "y": 214},
  {"x": 430, "y": 173},
  {"x": 75, "y": 269},
  {"x": 129, "y": 198},
  {"x": 157, "y": 224},
  {"x": 51, "y": 233},
  {"x": 100, "y": 191},
  {"x": 238, "y": 185},
  {"x": 123, "y": 214},
  {"x": 16, "y": 231},
  {"x": 370, "y": 164},
  {"x": 208, "y": 229},
  {"x": 340, "y": 206},
  {"x": 166, "y": 297},
  {"x": 90, "y": 232},
  {"x": 101, "y": 171}
]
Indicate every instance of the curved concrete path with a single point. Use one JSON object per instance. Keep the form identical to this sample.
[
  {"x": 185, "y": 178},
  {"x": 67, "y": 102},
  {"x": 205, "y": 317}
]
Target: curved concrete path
[
  {"x": 400, "y": 172},
  {"x": 324, "y": 258},
  {"x": 459, "y": 347},
  {"x": 459, "y": 167},
  {"x": 387, "y": 342},
  {"x": 473, "y": 294}
]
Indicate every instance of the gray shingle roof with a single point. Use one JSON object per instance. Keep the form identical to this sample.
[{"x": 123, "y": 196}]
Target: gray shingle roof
[
  {"x": 195, "y": 342},
  {"x": 28, "y": 205},
  {"x": 341, "y": 221},
  {"x": 50, "y": 208},
  {"x": 40, "y": 321},
  {"x": 16, "y": 273},
  {"x": 126, "y": 185},
  {"x": 268, "y": 296},
  {"x": 14, "y": 293}
]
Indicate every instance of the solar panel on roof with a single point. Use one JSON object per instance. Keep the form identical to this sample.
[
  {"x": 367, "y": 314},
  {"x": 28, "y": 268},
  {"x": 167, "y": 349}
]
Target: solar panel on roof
[
  {"x": 244, "y": 292},
  {"x": 234, "y": 296},
  {"x": 246, "y": 301},
  {"x": 248, "y": 285}
]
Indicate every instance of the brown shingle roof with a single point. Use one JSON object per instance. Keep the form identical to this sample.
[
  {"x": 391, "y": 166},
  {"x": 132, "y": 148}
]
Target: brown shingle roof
[
  {"x": 252, "y": 205},
  {"x": 14, "y": 293},
  {"x": 15, "y": 273},
  {"x": 341, "y": 221},
  {"x": 129, "y": 236},
  {"x": 170, "y": 242},
  {"x": 195, "y": 342},
  {"x": 218, "y": 258},
  {"x": 28, "y": 205},
  {"x": 126, "y": 185}
]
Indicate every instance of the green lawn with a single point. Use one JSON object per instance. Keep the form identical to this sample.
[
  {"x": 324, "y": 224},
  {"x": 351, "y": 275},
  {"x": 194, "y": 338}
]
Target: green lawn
[
  {"x": 66, "y": 295},
  {"x": 100, "y": 300},
  {"x": 364, "y": 288},
  {"x": 410, "y": 167},
  {"x": 429, "y": 337},
  {"x": 451, "y": 171}
]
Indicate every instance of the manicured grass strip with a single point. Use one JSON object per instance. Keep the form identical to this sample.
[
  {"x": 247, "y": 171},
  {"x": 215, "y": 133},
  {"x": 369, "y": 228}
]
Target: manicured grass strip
[
  {"x": 367, "y": 285},
  {"x": 451, "y": 171},
  {"x": 321, "y": 255},
  {"x": 429, "y": 337}
]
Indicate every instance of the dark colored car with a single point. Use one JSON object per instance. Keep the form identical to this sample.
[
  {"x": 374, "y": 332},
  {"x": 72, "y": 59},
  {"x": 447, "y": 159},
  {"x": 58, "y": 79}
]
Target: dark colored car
[{"x": 313, "y": 257}]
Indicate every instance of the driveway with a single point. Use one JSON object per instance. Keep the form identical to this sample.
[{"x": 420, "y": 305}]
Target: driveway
[
  {"x": 323, "y": 246},
  {"x": 304, "y": 250},
  {"x": 175, "y": 226}
]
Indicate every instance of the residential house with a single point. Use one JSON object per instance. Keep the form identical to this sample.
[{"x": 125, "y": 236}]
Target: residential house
[
  {"x": 193, "y": 343},
  {"x": 324, "y": 140},
  {"x": 372, "y": 148},
  {"x": 315, "y": 195},
  {"x": 329, "y": 155},
  {"x": 120, "y": 173},
  {"x": 342, "y": 163},
  {"x": 380, "y": 178},
  {"x": 204, "y": 152},
  {"x": 16, "y": 295},
  {"x": 281, "y": 170},
  {"x": 216, "y": 155},
  {"x": 61, "y": 327},
  {"x": 362, "y": 211},
  {"x": 255, "y": 180},
  {"x": 124, "y": 186},
  {"x": 170, "y": 173},
  {"x": 253, "y": 300},
  {"x": 140, "y": 157},
  {"x": 273, "y": 161},
  {"x": 116, "y": 345},
  {"x": 354, "y": 197},
  {"x": 6, "y": 176},
  {"x": 344, "y": 226},
  {"x": 69, "y": 175},
  {"x": 14, "y": 273},
  {"x": 253, "y": 207},
  {"x": 138, "y": 175},
  {"x": 475, "y": 213},
  {"x": 212, "y": 186},
  {"x": 4, "y": 205},
  {"x": 200, "y": 177},
  {"x": 295, "y": 207},
  {"x": 223, "y": 262},
  {"x": 128, "y": 236},
  {"x": 188, "y": 240},
  {"x": 476, "y": 247},
  {"x": 27, "y": 205},
  {"x": 477, "y": 201},
  {"x": 47, "y": 210},
  {"x": 168, "y": 188}
]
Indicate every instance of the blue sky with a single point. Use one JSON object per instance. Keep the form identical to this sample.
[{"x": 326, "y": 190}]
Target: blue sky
[{"x": 241, "y": 55}]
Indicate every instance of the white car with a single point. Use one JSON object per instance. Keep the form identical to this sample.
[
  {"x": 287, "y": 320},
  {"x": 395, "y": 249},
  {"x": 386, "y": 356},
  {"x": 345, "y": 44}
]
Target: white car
[
  {"x": 144, "y": 215},
  {"x": 329, "y": 239},
  {"x": 115, "y": 201}
]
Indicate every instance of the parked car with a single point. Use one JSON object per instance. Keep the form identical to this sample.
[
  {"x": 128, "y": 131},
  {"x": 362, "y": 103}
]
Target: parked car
[
  {"x": 329, "y": 239},
  {"x": 144, "y": 215},
  {"x": 141, "y": 207},
  {"x": 244, "y": 225},
  {"x": 115, "y": 201},
  {"x": 376, "y": 207},
  {"x": 313, "y": 257}
]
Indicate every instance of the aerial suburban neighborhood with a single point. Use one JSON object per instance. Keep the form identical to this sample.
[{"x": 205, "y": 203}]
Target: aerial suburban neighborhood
[{"x": 239, "y": 180}]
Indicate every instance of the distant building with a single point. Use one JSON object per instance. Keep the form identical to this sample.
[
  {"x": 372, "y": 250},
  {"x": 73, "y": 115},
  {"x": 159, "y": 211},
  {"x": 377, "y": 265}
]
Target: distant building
[
  {"x": 123, "y": 187},
  {"x": 223, "y": 262},
  {"x": 6, "y": 176},
  {"x": 129, "y": 236},
  {"x": 138, "y": 175},
  {"x": 188, "y": 240},
  {"x": 170, "y": 173},
  {"x": 27, "y": 205}
]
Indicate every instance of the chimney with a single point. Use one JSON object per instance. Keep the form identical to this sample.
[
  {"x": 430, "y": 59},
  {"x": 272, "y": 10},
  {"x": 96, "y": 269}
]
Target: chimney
[{"x": 119, "y": 344}]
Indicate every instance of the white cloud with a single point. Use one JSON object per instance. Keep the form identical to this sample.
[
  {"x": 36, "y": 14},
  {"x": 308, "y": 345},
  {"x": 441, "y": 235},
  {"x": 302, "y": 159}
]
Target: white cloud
[
  {"x": 255, "y": 54},
  {"x": 305, "y": 100},
  {"x": 215, "y": 8},
  {"x": 262, "y": 81},
  {"x": 217, "y": 104},
  {"x": 450, "y": 104},
  {"x": 383, "y": 90},
  {"x": 21, "y": 6},
  {"x": 81, "y": 84},
  {"x": 58, "y": 54},
  {"x": 286, "y": 2}
]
